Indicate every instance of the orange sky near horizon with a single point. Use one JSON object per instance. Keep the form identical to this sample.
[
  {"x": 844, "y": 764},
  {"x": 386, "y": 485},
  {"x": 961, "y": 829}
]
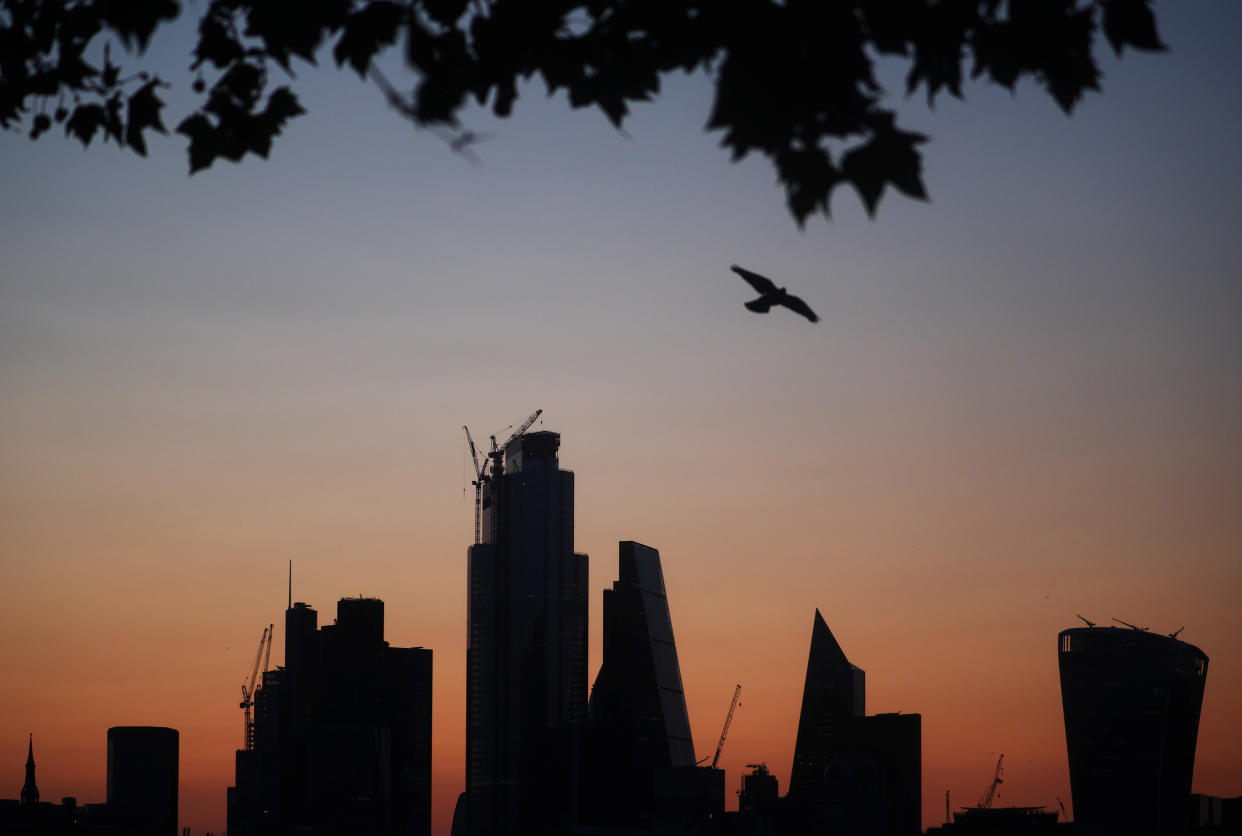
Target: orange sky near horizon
[{"x": 1024, "y": 402}]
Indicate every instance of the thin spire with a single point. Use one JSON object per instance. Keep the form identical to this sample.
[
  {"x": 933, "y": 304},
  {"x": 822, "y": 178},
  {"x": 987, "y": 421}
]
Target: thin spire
[
  {"x": 30, "y": 791},
  {"x": 290, "y": 583}
]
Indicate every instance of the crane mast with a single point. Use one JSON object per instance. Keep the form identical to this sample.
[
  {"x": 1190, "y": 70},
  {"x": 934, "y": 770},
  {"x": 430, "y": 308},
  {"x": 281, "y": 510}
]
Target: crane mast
[
  {"x": 728, "y": 719},
  {"x": 997, "y": 780},
  {"x": 478, "y": 484},
  {"x": 482, "y": 474},
  {"x": 248, "y": 686}
]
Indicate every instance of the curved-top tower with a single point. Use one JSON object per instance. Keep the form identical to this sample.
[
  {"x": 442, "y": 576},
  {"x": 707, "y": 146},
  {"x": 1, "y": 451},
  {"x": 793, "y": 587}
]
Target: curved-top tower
[{"x": 1131, "y": 700}]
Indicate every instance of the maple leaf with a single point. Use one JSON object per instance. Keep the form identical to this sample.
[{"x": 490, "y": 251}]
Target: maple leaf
[
  {"x": 144, "y": 112},
  {"x": 84, "y": 121}
]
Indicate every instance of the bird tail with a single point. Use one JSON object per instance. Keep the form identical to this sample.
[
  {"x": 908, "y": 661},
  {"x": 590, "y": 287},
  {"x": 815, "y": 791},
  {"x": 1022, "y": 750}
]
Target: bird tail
[{"x": 758, "y": 305}]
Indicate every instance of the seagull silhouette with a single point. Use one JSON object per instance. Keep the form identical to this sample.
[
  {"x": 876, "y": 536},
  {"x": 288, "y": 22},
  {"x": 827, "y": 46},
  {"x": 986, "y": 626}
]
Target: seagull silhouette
[{"x": 770, "y": 294}]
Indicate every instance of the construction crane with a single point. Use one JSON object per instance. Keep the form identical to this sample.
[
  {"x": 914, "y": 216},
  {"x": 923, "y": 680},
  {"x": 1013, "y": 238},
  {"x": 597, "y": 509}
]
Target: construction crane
[
  {"x": 997, "y": 780},
  {"x": 723, "y": 732},
  {"x": 1064, "y": 815},
  {"x": 478, "y": 484},
  {"x": 481, "y": 472},
  {"x": 1086, "y": 621},
  {"x": 497, "y": 454},
  {"x": 1131, "y": 626},
  {"x": 248, "y": 687}
]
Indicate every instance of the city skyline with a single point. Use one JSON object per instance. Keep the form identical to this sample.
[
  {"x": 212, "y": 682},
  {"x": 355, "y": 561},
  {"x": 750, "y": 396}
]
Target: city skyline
[{"x": 1021, "y": 403}]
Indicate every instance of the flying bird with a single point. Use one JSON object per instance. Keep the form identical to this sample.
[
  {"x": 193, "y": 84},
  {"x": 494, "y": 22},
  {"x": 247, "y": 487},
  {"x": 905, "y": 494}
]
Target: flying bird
[{"x": 770, "y": 294}]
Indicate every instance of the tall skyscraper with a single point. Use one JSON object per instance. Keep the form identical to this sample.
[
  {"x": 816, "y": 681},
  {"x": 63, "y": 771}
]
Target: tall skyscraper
[
  {"x": 342, "y": 733},
  {"x": 142, "y": 779},
  {"x": 1131, "y": 700},
  {"x": 852, "y": 773},
  {"x": 638, "y": 741},
  {"x": 526, "y": 656}
]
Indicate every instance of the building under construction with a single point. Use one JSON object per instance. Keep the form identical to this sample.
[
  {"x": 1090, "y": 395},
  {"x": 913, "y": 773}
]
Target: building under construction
[{"x": 341, "y": 735}]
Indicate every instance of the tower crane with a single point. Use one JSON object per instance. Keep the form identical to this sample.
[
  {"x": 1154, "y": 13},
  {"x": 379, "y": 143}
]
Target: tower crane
[
  {"x": 248, "y": 688},
  {"x": 498, "y": 452},
  {"x": 737, "y": 691},
  {"x": 478, "y": 484},
  {"x": 481, "y": 472},
  {"x": 997, "y": 780}
]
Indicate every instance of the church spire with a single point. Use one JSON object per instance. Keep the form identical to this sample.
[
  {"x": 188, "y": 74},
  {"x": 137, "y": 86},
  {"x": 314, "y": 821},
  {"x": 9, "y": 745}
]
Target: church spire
[{"x": 30, "y": 792}]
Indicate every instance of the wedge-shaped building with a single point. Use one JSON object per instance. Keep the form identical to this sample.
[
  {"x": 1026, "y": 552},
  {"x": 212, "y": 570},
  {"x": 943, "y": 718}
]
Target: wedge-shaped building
[
  {"x": 640, "y": 756},
  {"x": 852, "y": 773}
]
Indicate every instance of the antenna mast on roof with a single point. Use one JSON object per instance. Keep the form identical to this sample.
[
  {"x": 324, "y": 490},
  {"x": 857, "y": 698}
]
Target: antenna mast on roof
[{"x": 290, "y": 583}]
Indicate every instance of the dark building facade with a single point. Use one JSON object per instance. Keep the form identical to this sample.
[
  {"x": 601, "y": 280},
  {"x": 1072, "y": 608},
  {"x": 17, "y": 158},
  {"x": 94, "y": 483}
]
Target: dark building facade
[
  {"x": 526, "y": 657},
  {"x": 142, "y": 779},
  {"x": 1131, "y": 701},
  {"x": 639, "y": 750},
  {"x": 834, "y": 694},
  {"x": 342, "y": 733},
  {"x": 852, "y": 773}
]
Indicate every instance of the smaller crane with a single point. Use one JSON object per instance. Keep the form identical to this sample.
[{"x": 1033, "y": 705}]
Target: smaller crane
[
  {"x": 737, "y": 691},
  {"x": 248, "y": 688},
  {"x": 1131, "y": 626},
  {"x": 478, "y": 484},
  {"x": 1064, "y": 815},
  {"x": 1086, "y": 621},
  {"x": 997, "y": 780}
]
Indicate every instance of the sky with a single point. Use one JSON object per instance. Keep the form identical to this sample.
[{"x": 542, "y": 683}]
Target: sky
[{"x": 1022, "y": 403}]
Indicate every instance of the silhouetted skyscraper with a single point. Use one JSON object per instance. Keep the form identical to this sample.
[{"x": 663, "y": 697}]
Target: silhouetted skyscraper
[
  {"x": 638, "y": 727},
  {"x": 834, "y": 693},
  {"x": 142, "y": 779},
  {"x": 852, "y": 773},
  {"x": 342, "y": 737},
  {"x": 1131, "y": 701},
  {"x": 526, "y": 656},
  {"x": 30, "y": 791}
]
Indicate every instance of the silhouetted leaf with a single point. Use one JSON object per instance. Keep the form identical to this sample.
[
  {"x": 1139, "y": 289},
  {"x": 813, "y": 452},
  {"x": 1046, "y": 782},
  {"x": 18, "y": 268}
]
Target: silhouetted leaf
[
  {"x": 889, "y": 157},
  {"x": 137, "y": 19},
  {"x": 204, "y": 142},
  {"x": 1130, "y": 22},
  {"x": 366, "y": 32},
  {"x": 216, "y": 43},
  {"x": 144, "y": 112},
  {"x": 85, "y": 120}
]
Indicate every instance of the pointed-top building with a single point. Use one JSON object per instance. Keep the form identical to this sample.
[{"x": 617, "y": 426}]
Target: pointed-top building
[
  {"x": 834, "y": 693},
  {"x": 30, "y": 791},
  {"x": 851, "y": 773}
]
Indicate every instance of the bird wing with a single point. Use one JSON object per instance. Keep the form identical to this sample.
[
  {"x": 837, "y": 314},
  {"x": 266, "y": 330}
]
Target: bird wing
[
  {"x": 796, "y": 304},
  {"x": 761, "y": 284}
]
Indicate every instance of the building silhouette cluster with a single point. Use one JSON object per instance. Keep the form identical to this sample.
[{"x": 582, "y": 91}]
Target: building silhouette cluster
[
  {"x": 342, "y": 733},
  {"x": 340, "y": 741},
  {"x": 142, "y": 786}
]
